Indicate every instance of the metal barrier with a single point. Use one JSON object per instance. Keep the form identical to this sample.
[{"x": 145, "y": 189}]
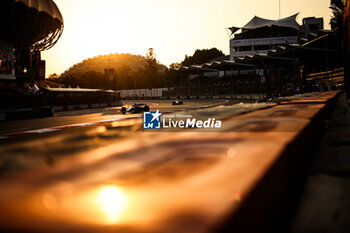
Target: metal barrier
[{"x": 333, "y": 74}]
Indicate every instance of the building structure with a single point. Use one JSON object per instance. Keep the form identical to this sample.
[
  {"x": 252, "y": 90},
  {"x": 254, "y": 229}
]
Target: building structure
[
  {"x": 31, "y": 26},
  {"x": 260, "y": 35},
  {"x": 311, "y": 26},
  {"x": 267, "y": 57}
]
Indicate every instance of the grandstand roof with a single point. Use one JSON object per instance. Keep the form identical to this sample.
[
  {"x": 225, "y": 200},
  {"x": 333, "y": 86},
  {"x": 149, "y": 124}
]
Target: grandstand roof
[
  {"x": 257, "y": 22},
  {"x": 47, "y": 6}
]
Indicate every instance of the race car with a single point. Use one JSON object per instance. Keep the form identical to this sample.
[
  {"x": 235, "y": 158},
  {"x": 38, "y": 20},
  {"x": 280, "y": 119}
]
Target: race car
[
  {"x": 135, "y": 108},
  {"x": 177, "y": 102}
]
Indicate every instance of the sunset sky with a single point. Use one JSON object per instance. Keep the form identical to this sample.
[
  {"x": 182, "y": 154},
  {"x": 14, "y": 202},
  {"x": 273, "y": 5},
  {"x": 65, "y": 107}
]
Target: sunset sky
[{"x": 172, "y": 28}]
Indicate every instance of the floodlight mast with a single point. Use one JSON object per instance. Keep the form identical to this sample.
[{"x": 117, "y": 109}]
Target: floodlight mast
[
  {"x": 279, "y": 9},
  {"x": 279, "y": 17}
]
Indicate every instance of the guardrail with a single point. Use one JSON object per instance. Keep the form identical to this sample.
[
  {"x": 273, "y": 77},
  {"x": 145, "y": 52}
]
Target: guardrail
[{"x": 333, "y": 74}]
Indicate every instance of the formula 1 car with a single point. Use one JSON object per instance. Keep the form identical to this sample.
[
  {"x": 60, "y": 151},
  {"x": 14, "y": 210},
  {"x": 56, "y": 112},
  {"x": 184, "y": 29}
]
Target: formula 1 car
[
  {"x": 136, "y": 108},
  {"x": 177, "y": 102}
]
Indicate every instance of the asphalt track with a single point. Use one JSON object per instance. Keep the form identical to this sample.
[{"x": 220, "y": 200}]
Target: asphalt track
[
  {"x": 159, "y": 181},
  {"x": 80, "y": 118}
]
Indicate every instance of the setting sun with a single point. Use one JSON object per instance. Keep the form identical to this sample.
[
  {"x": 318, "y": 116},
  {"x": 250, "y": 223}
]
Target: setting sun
[{"x": 113, "y": 202}]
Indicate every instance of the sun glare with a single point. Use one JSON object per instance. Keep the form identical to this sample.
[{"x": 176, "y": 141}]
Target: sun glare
[{"x": 113, "y": 202}]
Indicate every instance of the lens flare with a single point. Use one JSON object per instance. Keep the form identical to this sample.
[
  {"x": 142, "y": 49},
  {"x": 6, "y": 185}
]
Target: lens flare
[{"x": 112, "y": 201}]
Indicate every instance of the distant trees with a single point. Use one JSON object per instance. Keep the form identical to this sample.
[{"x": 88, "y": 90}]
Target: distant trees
[
  {"x": 199, "y": 57},
  {"x": 53, "y": 76},
  {"x": 89, "y": 79},
  {"x": 337, "y": 25},
  {"x": 130, "y": 71},
  {"x": 94, "y": 79},
  {"x": 175, "y": 65},
  {"x": 151, "y": 69},
  {"x": 124, "y": 78},
  {"x": 337, "y": 7},
  {"x": 202, "y": 56}
]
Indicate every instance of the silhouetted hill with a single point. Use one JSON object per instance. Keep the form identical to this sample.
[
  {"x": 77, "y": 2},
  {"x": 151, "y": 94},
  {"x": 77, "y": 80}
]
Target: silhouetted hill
[
  {"x": 101, "y": 62},
  {"x": 130, "y": 71}
]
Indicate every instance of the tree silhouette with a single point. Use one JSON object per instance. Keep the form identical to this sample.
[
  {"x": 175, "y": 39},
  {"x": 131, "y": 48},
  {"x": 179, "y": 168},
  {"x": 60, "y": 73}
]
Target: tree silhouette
[
  {"x": 202, "y": 56},
  {"x": 151, "y": 70},
  {"x": 131, "y": 71}
]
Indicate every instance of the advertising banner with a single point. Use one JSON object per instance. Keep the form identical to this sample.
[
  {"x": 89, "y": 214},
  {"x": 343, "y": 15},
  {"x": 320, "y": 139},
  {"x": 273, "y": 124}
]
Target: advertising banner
[
  {"x": 7, "y": 66},
  {"x": 264, "y": 41}
]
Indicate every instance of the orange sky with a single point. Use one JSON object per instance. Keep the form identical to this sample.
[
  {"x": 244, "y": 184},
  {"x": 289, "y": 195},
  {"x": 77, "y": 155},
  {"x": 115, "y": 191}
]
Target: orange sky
[{"x": 172, "y": 28}]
